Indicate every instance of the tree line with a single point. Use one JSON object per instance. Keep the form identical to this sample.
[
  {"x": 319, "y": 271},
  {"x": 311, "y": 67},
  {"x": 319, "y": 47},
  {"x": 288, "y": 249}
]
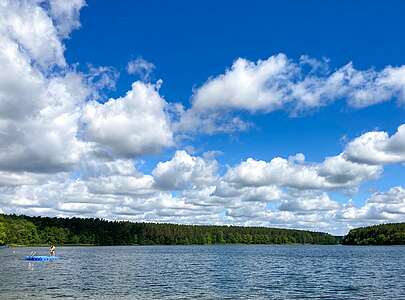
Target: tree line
[
  {"x": 383, "y": 234},
  {"x": 25, "y": 230}
]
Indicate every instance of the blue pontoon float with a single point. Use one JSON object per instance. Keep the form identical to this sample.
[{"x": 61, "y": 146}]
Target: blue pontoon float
[{"x": 40, "y": 258}]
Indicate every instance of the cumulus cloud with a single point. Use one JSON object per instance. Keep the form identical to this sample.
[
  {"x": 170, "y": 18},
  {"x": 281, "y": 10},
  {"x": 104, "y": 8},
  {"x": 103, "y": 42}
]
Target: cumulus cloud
[
  {"x": 334, "y": 172},
  {"x": 27, "y": 25},
  {"x": 380, "y": 207},
  {"x": 66, "y": 15},
  {"x": 246, "y": 194},
  {"x": 250, "y": 212},
  {"x": 281, "y": 83},
  {"x": 246, "y": 85},
  {"x": 129, "y": 126},
  {"x": 53, "y": 123},
  {"x": 183, "y": 171},
  {"x": 121, "y": 194},
  {"x": 36, "y": 109},
  {"x": 115, "y": 189},
  {"x": 299, "y": 201},
  {"x": 377, "y": 147},
  {"x": 115, "y": 177},
  {"x": 44, "y": 102},
  {"x": 395, "y": 195},
  {"x": 317, "y": 211}
]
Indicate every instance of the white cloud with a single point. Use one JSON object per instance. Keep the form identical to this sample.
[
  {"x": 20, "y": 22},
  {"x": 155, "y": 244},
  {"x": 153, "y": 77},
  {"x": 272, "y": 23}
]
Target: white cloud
[
  {"x": 250, "y": 212},
  {"x": 112, "y": 197},
  {"x": 380, "y": 207},
  {"x": 340, "y": 172},
  {"x": 140, "y": 67},
  {"x": 334, "y": 172},
  {"x": 280, "y": 83},
  {"x": 395, "y": 195},
  {"x": 66, "y": 15},
  {"x": 39, "y": 109},
  {"x": 28, "y": 25},
  {"x": 377, "y": 147},
  {"x": 211, "y": 122},
  {"x": 130, "y": 126},
  {"x": 19, "y": 82},
  {"x": 302, "y": 201},
  {"x": 117, "y": 177},
  {"x": 10, "y": 179},
  {"x": 92, "y": 166},
  {"x": 101, "y": 78},
  {"x": 121, "y": 185},
  {"x": 371, "y": 87},
  {"x": 183, "y": 171},
  {"x": 23, "y": 141},
  {"x": 116, "y": 190},
  {"x": 247, "y": 85},
  {"x": 247, "y": 194}
]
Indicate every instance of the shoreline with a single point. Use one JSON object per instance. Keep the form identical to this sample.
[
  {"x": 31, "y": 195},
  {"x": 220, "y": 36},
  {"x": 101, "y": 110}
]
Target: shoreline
[
  {"x": 26, "y": 231},
  {"x": 173, "y": 245}
]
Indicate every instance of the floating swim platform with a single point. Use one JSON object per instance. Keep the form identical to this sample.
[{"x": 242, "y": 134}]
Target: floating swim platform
[{"x": 40, "y": 258}]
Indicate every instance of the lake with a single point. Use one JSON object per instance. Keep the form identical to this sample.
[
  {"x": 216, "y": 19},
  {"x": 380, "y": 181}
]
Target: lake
[{"x": 206, "y": 272}]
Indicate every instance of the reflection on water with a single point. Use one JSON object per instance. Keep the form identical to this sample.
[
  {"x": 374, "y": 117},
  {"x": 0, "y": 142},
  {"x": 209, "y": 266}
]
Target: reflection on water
[{"x": 206, "y": 272}]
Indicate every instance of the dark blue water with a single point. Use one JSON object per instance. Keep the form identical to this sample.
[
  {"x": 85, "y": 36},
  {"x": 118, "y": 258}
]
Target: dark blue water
[{"x": 206, "y": 272}]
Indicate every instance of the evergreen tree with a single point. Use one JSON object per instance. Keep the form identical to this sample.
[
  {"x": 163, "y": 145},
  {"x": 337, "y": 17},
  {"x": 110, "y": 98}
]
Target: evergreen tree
[{"x": 26, "y": 230}]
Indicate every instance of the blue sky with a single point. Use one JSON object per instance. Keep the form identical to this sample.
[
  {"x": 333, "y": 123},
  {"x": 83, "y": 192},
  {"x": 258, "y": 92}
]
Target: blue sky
[
  {"x": 208, "y": 64},
  {"x": 190, "y": 41}
]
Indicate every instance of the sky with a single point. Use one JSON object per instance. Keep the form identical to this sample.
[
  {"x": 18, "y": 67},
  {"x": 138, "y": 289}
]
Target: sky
[{"x": 280, "y": 114}]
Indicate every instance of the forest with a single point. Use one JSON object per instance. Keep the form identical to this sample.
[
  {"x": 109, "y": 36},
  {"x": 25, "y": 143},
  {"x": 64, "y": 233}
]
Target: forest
[
  {"x": 384, "y": 234},
  {"x": 25, "y": 230}
]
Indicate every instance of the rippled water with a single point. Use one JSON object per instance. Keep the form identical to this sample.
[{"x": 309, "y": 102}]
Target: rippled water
[{"x": 206, "y": 272}]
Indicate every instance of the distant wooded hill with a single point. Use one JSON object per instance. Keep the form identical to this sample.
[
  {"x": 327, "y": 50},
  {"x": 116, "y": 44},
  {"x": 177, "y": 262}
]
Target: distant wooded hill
[
  {"x": 24, "y": 230},
  {"x": 384, "y": 234}
]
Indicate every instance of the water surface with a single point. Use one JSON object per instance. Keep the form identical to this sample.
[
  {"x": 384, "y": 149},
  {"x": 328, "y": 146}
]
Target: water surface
[{"x": 206, "y": 272}]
